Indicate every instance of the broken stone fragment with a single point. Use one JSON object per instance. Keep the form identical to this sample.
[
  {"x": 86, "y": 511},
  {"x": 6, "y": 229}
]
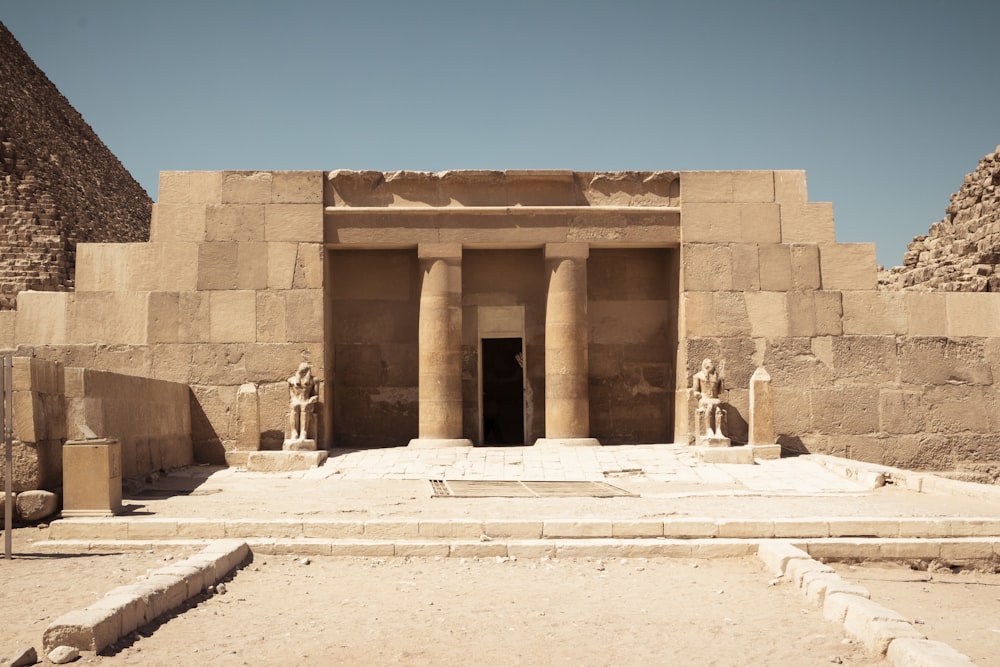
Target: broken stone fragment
[
  {"x": 60, "y": 655},
  {"x": 24, "y": 657},
  {"x": 36, "y": 505}
]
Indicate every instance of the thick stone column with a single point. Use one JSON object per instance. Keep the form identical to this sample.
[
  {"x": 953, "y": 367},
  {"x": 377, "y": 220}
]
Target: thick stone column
[
  {"x": 440, "y": 341},
  {"x": 567, "y": 396}
]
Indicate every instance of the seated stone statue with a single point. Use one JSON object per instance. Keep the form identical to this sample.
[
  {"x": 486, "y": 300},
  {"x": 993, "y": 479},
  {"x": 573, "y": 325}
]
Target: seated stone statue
[
  {"x": 302, "y": 399},
  {"x": 710, "y": 416}
]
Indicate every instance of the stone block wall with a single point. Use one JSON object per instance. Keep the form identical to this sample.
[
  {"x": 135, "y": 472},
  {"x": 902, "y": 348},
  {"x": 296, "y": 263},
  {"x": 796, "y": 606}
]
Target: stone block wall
[
  {"x": 151, "y": 418},
  {"x": 229, "y": 290},
  {"x": 59, "y": 185},
  {"x": 897, "y": 378}
]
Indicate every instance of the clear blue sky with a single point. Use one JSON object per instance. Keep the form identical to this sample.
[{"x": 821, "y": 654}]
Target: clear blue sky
[{"x": 886, "y": 104}]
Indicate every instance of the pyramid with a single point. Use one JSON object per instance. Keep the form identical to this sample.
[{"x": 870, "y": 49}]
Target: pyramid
[
  {"x": 960, "y": 252},
  {"x": 59, "y": 184}
]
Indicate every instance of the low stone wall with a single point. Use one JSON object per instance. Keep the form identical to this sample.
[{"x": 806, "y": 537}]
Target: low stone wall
[
  {"x": 903, "y": 379},
  {"x": 151, "y": 419}
]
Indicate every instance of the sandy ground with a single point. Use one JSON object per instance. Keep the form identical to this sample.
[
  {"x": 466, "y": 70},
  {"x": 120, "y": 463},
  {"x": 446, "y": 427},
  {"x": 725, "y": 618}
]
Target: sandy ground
[
  {"x": 281, "y": 610},
  {"x": 961, "y": 609}
]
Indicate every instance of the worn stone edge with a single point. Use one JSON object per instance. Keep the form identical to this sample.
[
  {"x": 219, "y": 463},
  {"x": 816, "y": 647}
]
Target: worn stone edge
[
  {"x": 882, "y": 630},
  {"x": 128, "y": 607}
]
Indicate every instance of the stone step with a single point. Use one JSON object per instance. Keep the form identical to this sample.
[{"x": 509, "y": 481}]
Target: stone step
[
  {"x": 152, "y": 529},
  {"x": 949, "y": 550}
]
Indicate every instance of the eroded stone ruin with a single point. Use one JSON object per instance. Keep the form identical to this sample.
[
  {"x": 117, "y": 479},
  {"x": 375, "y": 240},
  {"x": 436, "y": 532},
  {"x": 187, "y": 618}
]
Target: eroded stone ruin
[
  {"x": 59, "y": 184},
  {"x": 961, "y": 252}
]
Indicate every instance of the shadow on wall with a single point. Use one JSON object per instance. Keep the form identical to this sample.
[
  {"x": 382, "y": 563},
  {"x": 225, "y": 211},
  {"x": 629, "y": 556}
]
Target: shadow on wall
[
  {"x": 792, "y": 445},
  {"x": 205, "y": 441}
]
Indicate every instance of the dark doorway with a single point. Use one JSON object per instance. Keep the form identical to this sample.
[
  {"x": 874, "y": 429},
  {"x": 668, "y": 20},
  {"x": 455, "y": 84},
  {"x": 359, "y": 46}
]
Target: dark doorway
[{"x": 503, "y": 391}]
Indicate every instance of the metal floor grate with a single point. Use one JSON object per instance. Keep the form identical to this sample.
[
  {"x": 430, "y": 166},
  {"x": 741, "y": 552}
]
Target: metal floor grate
[{"x": 527, "y": 489}]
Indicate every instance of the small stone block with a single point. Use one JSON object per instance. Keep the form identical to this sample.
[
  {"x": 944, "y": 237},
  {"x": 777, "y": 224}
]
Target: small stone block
[
  {"x": 878, "y": 634},
  {"x": 733, "y": 455},
  {"x": 925, "y": 653},
  {"x": 531, "y": 549},
  {"x": 450, "y": 528},
  {"x": 477, "y": 549},
  {"x": 567, "y": 528},
  {"x": 776, "y": 555},
  {"x": 422, "y": 549},
  {"x": 636, "y": 529},
  {"x": 522, "y": 530},
  {"x": 268, "y": 461},
  {"x": 765, "y": 452},
  {"x": 690, "y": 528},
  {"x": 798, "y": 568}
]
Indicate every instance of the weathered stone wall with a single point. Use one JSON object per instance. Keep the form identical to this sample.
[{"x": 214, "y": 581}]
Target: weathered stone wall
[
  {"x": 59, "y": 185},
  {"x": 961, "y": 252},
  {"x": 151, "y": 419},
  {"x": 374, "y": 301},
  {"x": 891, "y": 377},
  {"x": 228, "y": 291},
  {"x": 632, "y": 310}
]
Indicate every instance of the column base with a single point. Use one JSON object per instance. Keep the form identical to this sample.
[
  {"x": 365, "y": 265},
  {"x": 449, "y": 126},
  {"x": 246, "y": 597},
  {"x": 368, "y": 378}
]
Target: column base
[
  {"x": 299, "y": 445},
  {"x": 567, "y": 442},
  {"x": 439, "y": 443}
]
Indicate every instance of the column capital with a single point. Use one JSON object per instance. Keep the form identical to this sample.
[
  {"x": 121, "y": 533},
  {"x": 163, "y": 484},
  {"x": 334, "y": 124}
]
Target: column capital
[
  {"x": 439, "y": 251},
  {"x": 567, "y": 250}
]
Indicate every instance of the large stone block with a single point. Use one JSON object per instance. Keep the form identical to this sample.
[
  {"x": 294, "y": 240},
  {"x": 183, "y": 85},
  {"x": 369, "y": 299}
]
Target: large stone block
[
  {"x": 848, "y": 266},
  {"x": 177, "y": 222},
  {"x": 775, "y": 267},
  {"x": 271, "y": 317},
  {"x": 309, "y": 266},
  {"x": 768, "y": 313},
  {"x": 805, "y": 266},
  {"x": 217, "y": 265},
  {"x": 926, "y": 313},
  {"x": 233, "y": 316},
  {"x": 972, "y": 314},
  {"x": 234, "y": 222},
  {"x": 901, "y": 412},
  {"x": 164, "y": 317},
  {"x": 876, "y": 312},
  {"x": 190, "y": 187},
  {"x": 301, "y": 223},
  {"x": 808, "y": 222},
  {"x": 727, "y": 186},
  {"x": 940, "y": 361},
  {"x": 746, "y": 266},
  {"x": 815, "y": 313},
  {"x": 790, "y": 187},
  {"x": 282, "y": 262},
  {"x": 114, "y": 318},
  {"x": 304, "y": 315},
  {"x": 41, "y": 318},
  {"x": 251, "y": 266},
  {"x": 848, "y": 410},
  {"x": 865, "y": 359},
  {"x": 707, "y": 267},
  {"x": 178, "y": 266},
  {"x": 246, "y": 187},
  {"x": 297, "y": 187},
  {"x": 760, "y": 223}
]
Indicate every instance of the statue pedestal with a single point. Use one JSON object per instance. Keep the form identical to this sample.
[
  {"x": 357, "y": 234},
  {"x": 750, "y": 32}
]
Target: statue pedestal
[
  {"x": 270, "y": 461},
  {"x": 300, "y": 445},
  {"x": 713, "y": 441}
]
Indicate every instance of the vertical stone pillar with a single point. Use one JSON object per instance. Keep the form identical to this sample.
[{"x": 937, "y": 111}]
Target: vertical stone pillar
[
  {"x": 440, "y": 342},
  {"x": 567, "y": 396},
  {"x": 761, "y": 439}
]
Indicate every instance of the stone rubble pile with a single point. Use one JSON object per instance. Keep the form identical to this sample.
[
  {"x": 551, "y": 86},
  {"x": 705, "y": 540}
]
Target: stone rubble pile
[
  {"x": 59, "y": 184},
  {"x": 961, "y": 252}
]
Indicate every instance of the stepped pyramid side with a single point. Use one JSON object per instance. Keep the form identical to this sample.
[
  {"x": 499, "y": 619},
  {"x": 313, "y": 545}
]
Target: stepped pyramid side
[
  {"x": 59, "y": 184},
  {"x": 961, "y": 252}
]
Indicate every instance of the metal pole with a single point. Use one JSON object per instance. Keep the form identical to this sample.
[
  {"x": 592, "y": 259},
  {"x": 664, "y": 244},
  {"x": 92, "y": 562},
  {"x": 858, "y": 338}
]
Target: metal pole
[{"x": 6, "y": 423}]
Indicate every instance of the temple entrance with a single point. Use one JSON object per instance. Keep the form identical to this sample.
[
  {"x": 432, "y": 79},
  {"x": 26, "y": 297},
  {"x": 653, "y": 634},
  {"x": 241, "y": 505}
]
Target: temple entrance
[{"x": 502, "y": 373}]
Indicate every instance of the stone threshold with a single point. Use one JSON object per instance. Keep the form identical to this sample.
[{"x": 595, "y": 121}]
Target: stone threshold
[
  {"x": 156, "y": 529},
  {"x": 950, "y": 550}
]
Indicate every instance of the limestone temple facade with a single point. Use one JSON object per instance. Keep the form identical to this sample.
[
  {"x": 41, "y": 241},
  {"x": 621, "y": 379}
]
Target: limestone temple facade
[{"x": 513, "y": 307}]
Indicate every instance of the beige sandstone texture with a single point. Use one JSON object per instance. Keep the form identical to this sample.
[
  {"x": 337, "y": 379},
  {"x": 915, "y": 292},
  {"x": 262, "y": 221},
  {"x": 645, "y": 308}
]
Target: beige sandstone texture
[
  {"x": 961, "y": 252},
  {"x": 59, "y": 185},
  {"x": 610, "y": 289}
]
